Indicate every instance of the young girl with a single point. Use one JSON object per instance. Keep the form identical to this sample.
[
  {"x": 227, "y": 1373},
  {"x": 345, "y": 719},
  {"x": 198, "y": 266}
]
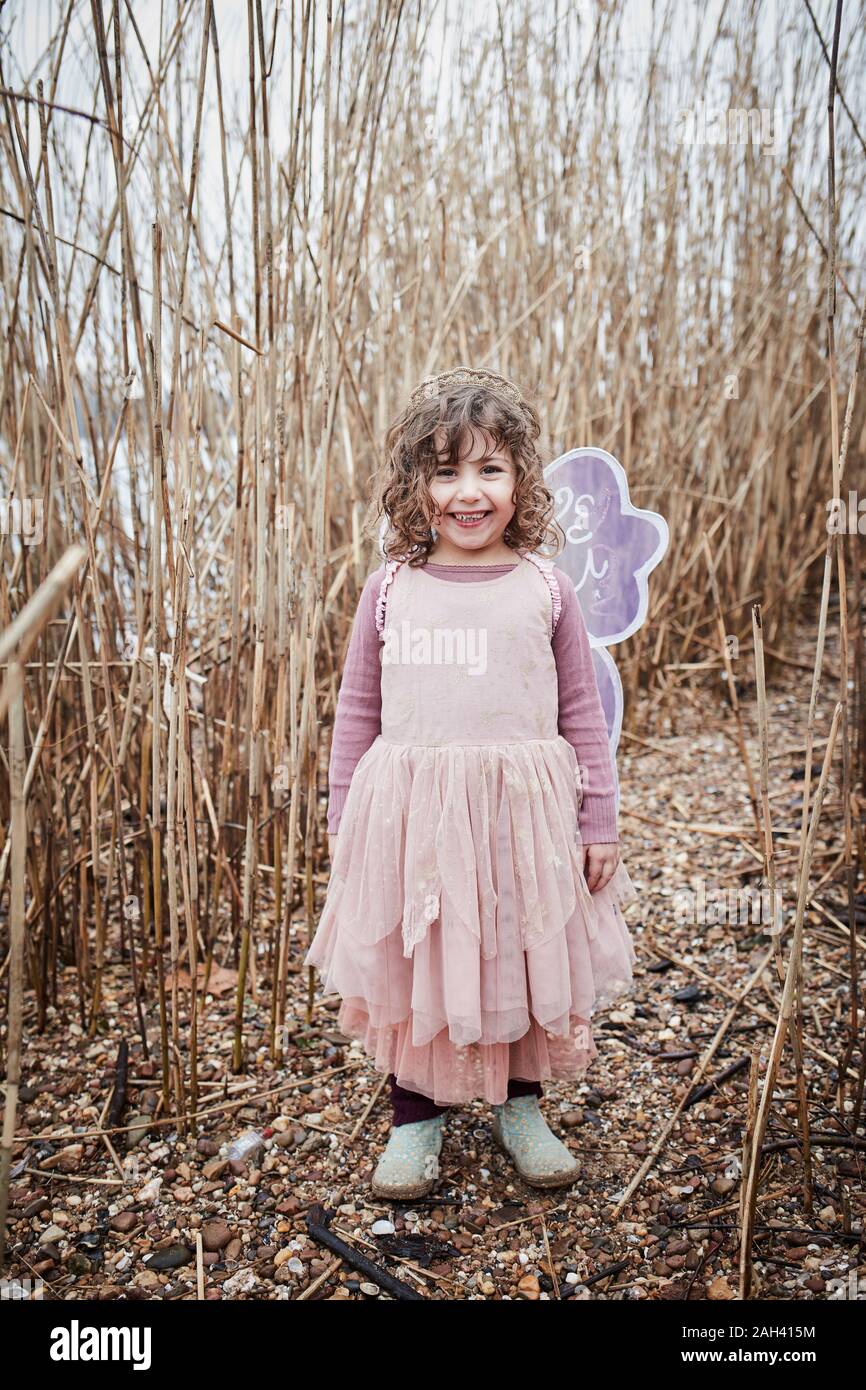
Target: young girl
[{"x": 473, "y": 920}]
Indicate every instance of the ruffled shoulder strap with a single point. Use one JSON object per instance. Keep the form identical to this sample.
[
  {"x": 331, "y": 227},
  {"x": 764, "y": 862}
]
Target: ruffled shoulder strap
[
  {"x": 545, "y": 567},
  {"x": 391, "y": 569}
]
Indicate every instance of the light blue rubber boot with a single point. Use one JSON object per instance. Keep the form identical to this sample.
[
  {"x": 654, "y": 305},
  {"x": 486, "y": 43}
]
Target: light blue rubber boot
[
  {"x": 409, "y": 1165},
  {"x": 520, "y": 1129}
]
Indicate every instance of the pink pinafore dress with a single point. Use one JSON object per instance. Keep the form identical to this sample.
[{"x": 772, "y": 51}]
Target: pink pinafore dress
[{"x": 458, "y": 928}]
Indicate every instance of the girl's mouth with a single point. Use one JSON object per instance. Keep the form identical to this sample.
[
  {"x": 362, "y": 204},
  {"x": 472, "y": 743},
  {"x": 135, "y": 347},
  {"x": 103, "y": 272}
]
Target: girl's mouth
[{"x": 469, "y": 519}]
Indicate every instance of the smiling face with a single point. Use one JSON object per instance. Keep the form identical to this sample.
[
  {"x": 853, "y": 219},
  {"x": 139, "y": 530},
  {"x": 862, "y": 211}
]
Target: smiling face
[{"x": 473, "y": 500}]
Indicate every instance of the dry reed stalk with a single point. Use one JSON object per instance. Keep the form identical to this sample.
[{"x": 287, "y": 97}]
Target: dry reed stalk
[
  {"x": 748, "y": 1136},
  {"x": 770, "y": 870},
  {"x": 157, "y": 464},
  {"x": 256, "y": 739},
  {"x": 785, "y": 1010},
  {"x": 764, "y": 736},
  {"x": 732, "y": 689},
  {"x": 15, "y": 1030}
]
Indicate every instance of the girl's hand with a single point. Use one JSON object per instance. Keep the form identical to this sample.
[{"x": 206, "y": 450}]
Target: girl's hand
[{"x": 599, "y": 865}]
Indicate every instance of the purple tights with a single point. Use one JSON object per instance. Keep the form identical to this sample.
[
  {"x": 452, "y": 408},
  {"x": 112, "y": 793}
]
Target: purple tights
[{"x": 410, "y": 1106}]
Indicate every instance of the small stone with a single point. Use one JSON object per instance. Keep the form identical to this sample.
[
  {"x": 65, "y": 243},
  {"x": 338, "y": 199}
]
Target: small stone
[
  {"x": 371, "y": 1290},
  {"x": 137, "y": 1129},
  {"x": 721, "y": 1186},
  {"x": 529, "y": 1287},
  {"x": 150, "y": 1191},
  {"x": 50, "y": 1234},
  {"x": 170, "y": 1258},
  {"x": 382, "y": 1228},
  {"x": 677, "y": 1247},
  {"x": 67, "y": 1159},
  {"x": 215, "y": 1235},
  {"x": 124, "y": 1221},
  {"x": 246, "y": 1148},
  {"x": 36, "y": 1208}
]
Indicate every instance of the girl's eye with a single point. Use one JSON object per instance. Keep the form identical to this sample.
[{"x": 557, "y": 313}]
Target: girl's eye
[{"x": 441, "y": 472}]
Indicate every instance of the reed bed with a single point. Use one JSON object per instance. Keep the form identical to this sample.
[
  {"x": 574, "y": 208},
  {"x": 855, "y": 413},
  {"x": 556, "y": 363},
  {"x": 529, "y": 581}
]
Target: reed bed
[{"x": 233, "y": 236}]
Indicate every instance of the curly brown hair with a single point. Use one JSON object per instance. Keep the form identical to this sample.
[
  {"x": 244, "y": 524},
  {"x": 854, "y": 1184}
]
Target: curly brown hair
[{"x": 400, "y": 487}]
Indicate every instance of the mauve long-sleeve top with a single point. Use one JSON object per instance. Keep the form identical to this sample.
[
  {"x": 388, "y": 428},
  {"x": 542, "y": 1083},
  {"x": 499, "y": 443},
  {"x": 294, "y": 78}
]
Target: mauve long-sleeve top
[{"x": 358, "y": 718}]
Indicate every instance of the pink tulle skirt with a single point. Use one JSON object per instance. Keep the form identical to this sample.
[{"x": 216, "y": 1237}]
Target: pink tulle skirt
[{"x": 458, "y": 928}]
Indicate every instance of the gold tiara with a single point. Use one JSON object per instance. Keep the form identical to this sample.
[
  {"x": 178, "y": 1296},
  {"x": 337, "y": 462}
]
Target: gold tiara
[{"x": 465, "y": 376}]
